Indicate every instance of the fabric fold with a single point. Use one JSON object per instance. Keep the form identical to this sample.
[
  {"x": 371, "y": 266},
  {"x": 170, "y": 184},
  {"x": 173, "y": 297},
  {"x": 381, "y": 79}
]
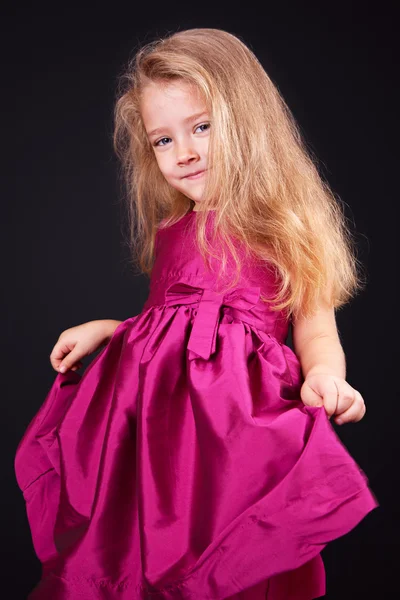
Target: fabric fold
[{"x": 156, "y": 476}]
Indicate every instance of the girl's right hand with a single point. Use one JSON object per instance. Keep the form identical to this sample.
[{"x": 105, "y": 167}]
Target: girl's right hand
[{"x": 82, "y": 340}]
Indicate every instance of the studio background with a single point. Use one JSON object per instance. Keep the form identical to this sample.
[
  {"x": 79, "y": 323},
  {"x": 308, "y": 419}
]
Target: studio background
[{"x": 65, "y": 261}]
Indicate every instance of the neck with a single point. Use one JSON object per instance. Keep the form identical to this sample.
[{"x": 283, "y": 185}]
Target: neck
[{"x": 199, "y": 209}]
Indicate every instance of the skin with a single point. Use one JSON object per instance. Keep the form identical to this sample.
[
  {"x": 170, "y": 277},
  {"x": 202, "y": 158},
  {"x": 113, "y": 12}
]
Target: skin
[
  {"x": 317, "y": 345},
  {"x": 181, "y": 147},
  {"x": 181, "y": 143}
]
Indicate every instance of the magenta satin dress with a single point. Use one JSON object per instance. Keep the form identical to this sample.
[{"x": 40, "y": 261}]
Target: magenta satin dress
[{"x": 182, "y": 464}]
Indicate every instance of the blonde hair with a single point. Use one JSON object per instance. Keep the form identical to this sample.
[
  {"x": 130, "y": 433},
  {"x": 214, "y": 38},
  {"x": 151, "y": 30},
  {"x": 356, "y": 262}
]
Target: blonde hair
[{"x": 264, "y": 185}]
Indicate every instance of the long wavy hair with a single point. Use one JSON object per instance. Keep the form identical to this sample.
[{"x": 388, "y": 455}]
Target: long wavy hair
[{"x": 264, "y": 186}]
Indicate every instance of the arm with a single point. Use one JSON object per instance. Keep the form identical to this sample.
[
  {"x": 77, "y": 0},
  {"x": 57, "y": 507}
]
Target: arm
[
  {"x": 317, "y": 345},
  {"x": 80, "y": 341},
  {"x": 110, "y": 325}
]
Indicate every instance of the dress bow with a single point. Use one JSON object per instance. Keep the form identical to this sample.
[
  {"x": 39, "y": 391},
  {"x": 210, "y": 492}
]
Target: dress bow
[{"x": 202, "y": 341}]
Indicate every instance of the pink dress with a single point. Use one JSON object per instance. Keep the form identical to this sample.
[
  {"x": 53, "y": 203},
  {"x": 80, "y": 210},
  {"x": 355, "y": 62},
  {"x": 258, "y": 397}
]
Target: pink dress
[{"x": 182, "y": 464}]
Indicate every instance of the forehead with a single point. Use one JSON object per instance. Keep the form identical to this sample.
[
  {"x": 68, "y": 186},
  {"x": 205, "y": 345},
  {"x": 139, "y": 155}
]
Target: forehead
[{"x": 174, "y": 100}]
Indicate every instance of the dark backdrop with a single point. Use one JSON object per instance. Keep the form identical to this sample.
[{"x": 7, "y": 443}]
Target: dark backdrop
[{"x": 65, "y": 262}]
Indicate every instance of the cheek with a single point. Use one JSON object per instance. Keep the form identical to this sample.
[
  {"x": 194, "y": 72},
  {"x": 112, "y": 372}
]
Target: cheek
[
  {"x": 203, "y": 150},
  {"x": 163, "y": 165}
]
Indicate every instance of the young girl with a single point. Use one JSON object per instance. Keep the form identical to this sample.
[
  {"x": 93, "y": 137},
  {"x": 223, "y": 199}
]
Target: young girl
[{"x": 195, "y": 458}]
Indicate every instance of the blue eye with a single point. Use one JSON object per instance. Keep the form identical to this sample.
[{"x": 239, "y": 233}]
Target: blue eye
[
  {"x": 203, "y": 125},
  {"x": 167, "y": 138},
  {"x": 164, "y": 138}
]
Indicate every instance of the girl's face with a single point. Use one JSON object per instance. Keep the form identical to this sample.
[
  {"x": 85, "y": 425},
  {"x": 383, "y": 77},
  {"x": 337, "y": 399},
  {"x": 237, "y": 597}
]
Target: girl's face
[{"x": 180, "y": 143}]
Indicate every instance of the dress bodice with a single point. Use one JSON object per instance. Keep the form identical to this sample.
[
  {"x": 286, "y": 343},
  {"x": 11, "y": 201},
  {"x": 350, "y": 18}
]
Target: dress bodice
[{"x": 180, "y": 276}]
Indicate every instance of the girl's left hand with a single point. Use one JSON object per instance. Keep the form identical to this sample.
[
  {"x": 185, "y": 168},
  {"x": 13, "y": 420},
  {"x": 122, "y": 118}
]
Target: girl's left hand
[{"x": 336, "y": 395}]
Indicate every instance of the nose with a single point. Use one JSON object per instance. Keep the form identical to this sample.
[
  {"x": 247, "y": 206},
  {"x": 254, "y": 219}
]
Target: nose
[{"x": 186, "y": 154}]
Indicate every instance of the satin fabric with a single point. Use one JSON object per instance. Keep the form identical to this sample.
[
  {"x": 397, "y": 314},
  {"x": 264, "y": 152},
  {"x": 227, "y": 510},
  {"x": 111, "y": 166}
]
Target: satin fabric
[{"x": 182, "y": 464}]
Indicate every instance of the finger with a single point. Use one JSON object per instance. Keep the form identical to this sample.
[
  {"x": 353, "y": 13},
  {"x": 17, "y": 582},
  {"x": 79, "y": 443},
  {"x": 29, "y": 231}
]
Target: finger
[
  {"x": 56, "y": 357},
  {"x": 346, "y": 397},
  {"x": 330, "y": 402},
  {"x": 309, "y": 396},
  {"x": 59, "y": 352},
  {"x": 69, "y": 361},
  {"x": 327, "y": 397},
  {"x": 353, "y": 414}
]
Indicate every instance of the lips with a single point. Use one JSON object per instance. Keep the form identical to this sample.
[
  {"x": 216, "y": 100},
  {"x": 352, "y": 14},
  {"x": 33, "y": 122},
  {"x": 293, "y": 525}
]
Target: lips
[{"x": 194, "y": 173}]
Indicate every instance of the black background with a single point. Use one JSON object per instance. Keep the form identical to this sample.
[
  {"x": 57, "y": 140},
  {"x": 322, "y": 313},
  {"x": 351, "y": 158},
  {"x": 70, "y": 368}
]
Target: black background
[{"x": 64, "y": 257}]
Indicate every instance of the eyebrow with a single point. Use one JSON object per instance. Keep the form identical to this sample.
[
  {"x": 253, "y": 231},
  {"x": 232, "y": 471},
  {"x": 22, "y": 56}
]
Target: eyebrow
[{"x": 187, "y": 120}]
